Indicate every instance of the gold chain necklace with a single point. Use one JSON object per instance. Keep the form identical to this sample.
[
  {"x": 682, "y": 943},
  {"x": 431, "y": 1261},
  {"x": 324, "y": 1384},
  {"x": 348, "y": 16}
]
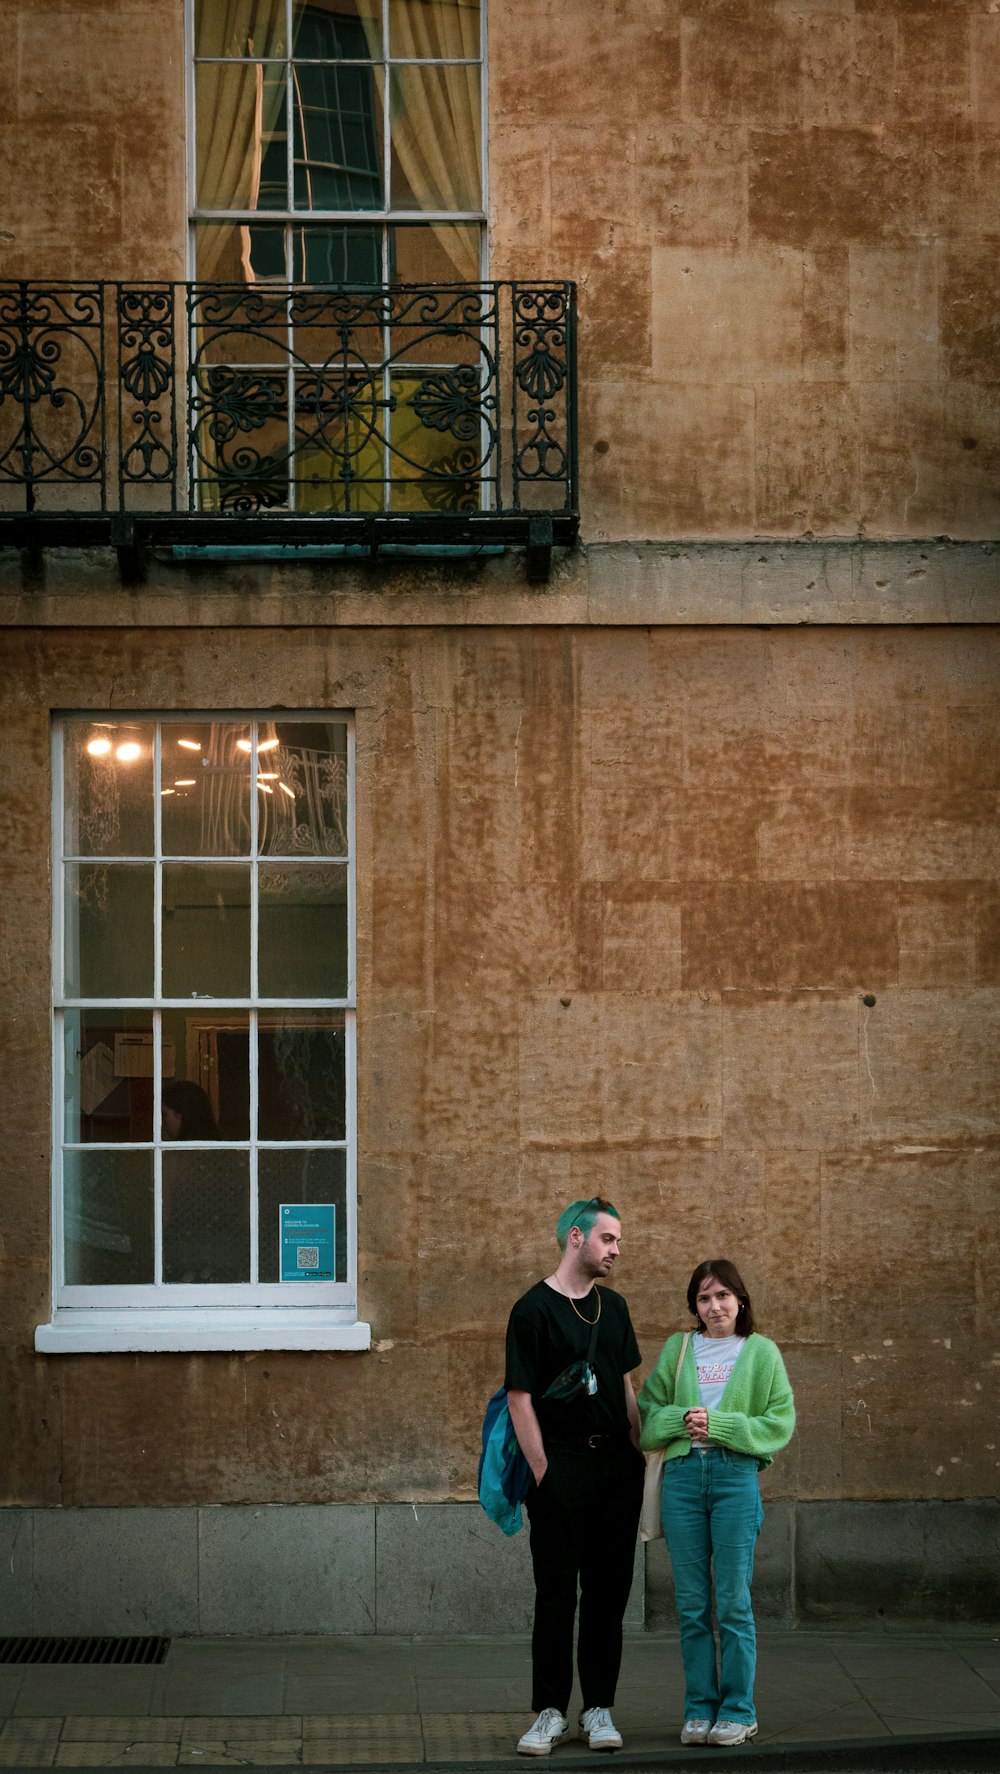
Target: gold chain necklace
[{"x": 588, "y": 1321}]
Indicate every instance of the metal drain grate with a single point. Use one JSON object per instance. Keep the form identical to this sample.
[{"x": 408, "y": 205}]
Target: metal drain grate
[{"x": 83, "y": 1650}]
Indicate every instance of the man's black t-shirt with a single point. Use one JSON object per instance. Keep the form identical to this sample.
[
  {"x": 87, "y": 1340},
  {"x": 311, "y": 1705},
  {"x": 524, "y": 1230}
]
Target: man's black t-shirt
[{"x": 544, "y": 1334}]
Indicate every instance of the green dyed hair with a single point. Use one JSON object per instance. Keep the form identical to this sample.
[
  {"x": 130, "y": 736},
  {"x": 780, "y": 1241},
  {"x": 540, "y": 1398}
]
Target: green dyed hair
[{"x": 583, "y": 1214}]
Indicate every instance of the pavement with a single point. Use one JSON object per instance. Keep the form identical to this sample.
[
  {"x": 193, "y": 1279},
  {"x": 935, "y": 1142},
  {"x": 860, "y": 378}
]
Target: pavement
[{"x": 851, "y": 1699}]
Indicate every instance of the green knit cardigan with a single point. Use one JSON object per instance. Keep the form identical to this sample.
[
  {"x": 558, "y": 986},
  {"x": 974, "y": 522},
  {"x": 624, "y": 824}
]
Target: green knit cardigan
[{"x": 757, "y": 1414}]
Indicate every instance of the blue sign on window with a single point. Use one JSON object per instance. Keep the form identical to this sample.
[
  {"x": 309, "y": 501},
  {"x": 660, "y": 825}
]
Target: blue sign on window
[{"x": 308, "y": 1241}]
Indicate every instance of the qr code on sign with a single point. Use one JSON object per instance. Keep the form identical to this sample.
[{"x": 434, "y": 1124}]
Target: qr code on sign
[{"x": 307, "y": 1256}]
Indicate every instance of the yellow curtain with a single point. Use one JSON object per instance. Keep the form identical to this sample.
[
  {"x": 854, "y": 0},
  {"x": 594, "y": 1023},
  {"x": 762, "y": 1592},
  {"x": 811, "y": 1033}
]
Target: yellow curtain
[
  {"x": 235, "y": 112},
  {"x": 436, "y": 117}
]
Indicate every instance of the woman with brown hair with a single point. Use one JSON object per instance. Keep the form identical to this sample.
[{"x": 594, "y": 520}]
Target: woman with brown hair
[{"x": 720, "y": 1406}]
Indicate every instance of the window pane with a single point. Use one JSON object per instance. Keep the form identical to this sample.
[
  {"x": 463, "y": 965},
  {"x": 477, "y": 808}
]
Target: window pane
[
  {"x": 108, "y": 1217},
  {"x": 303, "y": 930},
  {"x": 437, "y": 457},
  {"x": 109, "y": 789},
  {"x": 351, "y": 254},
  {"x": 209, "y": 1098},
  {"x": 307, "y": 814},
  {"x": 205, "y": 772},
  {"x": 256, "y": 28},
  {"x": 109, "y": 930},
  {"x": 330, "y": 28},
  {"x": 338, "y": 138},
  {"x": 301, "y": 1078},
  {"x": 240, "y": 136},
  {"x": 439, "y": 252},
  {"x": 108, "y": 1075},
  {"x": 435, "y": 138},
  {"x": 435, "y": 28},
  {"x": 339, "y": 415},
  {"x": 206, "y": 1216},
  {"x": 289, "y": 1177},
  {"x": 233, "y": 252},
  {"x": 206, "y": 931}
]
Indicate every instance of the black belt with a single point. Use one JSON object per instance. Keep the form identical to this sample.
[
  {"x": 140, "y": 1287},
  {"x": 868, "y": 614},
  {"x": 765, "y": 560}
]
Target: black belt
[{"x": 593, "y": 1442}]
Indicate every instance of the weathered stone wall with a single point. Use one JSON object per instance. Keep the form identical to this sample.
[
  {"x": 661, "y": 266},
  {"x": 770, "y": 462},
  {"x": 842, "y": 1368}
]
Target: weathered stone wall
[
  {"x": 782, "y": 218},
  {"x": 622, "y": 894},
  {"x": 92, "y": 139},
  {"x": 635, "y": 849},
  {"x": 783, "y": 221}
]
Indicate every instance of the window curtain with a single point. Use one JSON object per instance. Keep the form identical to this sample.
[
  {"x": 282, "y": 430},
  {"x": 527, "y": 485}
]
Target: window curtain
[
  {"x": 436, "y": 116},
  {"x": 235, "y": 114}
]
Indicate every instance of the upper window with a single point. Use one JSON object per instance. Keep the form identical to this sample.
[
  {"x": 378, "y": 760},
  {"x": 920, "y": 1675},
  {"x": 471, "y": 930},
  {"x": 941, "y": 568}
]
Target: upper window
[
  {"x": 204, "y": 1020},
  {"x": 338, "y": 141}
]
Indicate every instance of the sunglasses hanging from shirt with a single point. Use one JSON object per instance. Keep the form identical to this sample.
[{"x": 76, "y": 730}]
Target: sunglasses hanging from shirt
[{"x": 579, "y": 1379}]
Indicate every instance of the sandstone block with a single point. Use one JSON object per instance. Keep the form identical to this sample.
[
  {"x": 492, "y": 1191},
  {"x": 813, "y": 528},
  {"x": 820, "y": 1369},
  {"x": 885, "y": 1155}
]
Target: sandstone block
[
  {"x": 937, "y": 935},
  {"x": 619, "y": 1069},
  {"x": 823, "y": 187},
  {"x": 701, "y": 437},
  {"x": 726, "y": 317},
  {"x": 900, "y": 1231},
  {"x": 930, "y": 1067},
  {"x": 794, "y": 1060},
  {"x": 772, "y": 937},
  {"x": 807, "y": 479},
  {"x": 893, "y": 327}
]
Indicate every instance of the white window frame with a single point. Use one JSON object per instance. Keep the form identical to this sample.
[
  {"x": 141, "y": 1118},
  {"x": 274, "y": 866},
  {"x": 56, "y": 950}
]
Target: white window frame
[{"x": 177, "y": 1316}]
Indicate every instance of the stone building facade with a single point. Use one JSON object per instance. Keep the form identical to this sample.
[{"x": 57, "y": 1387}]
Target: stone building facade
[{"x": 675, "y": 876}]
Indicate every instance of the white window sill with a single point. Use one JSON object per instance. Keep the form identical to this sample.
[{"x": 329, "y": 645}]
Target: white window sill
[{"x": 95, "y": 1332}]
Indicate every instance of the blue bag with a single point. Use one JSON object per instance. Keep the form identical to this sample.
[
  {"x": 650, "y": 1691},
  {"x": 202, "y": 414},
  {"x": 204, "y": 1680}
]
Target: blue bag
[{"x": 504, "y": 1473}]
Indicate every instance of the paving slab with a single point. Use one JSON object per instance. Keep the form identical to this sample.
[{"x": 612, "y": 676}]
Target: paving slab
[{"x": 433, "y": 1703}]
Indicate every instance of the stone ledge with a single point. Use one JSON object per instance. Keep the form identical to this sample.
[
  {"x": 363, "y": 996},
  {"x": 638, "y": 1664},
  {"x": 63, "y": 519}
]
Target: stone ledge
[{"x": 618, "y": 584}]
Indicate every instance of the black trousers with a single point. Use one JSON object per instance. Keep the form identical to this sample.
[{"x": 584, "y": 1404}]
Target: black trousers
[{"x": 584, "y": 1518}]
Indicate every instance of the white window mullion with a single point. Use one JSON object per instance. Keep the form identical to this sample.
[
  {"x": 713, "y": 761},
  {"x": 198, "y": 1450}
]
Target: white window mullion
[
  {"x": 351, "y": 1164},
  {"x": 254, "y": 993},
  {"x": 157, "y": 1149},
  {"x": 386, "y": 111},
  {"x": 290, "y": 96},
  {"x": 352, "y": 985},
  {"x": 350, "y": 1026},
  {"x": 158, "y": 997},
  {"x": 58, "y": 961},
  {"x": 157, "y": 865},
  {"x": 254, "y": 1150},
  {"x": 58, "y": 1151},
  {"x": 254, "y": 843},
  {"x": 292, "y": 232}
]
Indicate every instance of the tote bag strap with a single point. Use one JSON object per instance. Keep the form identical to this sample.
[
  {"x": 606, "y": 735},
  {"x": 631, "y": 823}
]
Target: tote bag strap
[{"x": 680, "y": 1359}]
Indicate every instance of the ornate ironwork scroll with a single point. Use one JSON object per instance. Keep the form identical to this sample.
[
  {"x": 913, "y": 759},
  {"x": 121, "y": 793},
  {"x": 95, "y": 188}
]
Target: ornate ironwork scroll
[
  {"x": 52, "y": 428},
  {"x": 343, "y": 400},
  {"x": 543, "y": 363},
  {"x": 279, "y": 401},
  {"x": 147, "y": 418}
]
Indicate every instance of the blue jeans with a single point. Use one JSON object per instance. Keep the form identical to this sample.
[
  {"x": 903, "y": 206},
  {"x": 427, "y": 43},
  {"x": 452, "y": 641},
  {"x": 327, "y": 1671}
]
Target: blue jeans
[{"x": 712, "y": 1515}]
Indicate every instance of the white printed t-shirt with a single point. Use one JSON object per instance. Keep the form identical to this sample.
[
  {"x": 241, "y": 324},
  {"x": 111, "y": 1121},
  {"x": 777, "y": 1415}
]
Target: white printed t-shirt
[{"x": 714, "y": 1359}]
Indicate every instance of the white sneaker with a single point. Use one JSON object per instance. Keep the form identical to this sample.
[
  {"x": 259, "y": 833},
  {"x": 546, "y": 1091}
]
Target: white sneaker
[
  {"x": 546, "y": 1730},
  {"x": 597, "y": 1725},
  {"x": 696, "y": 1730},
  {"x": 729, "y": 1732}
]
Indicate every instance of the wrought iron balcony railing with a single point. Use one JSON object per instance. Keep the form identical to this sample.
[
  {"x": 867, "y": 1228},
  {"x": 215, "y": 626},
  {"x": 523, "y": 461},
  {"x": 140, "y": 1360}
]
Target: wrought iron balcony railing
[{"x": 137, "y": 413}]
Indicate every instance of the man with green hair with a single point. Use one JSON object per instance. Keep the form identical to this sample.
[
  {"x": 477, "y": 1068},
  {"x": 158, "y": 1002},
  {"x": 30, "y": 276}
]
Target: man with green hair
[{"x": 570, "y": 1351}]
